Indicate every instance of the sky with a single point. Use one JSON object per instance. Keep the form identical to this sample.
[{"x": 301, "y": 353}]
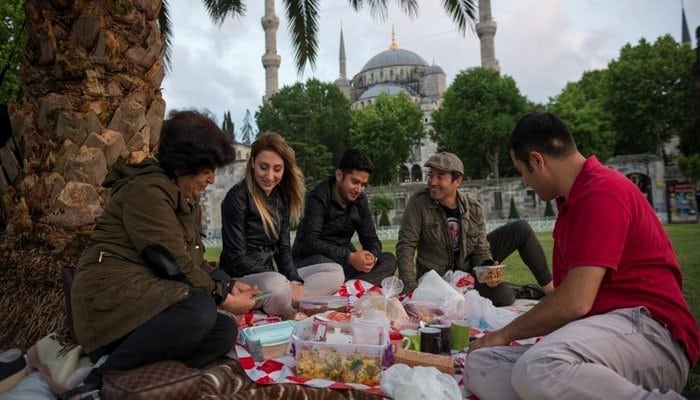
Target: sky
[{"x": 542, "y": 44}]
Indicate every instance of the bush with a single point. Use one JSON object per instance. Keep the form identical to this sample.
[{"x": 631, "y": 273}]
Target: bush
[
  {"x": 384, "y": 219},
  {"x": 513, "y": 210},
  {"x": 548, "y": 210}
]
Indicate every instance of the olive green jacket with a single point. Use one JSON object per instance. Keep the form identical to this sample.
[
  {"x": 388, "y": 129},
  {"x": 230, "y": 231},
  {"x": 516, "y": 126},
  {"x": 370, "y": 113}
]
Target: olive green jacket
[
  {"x": 114, "y": 292},
  {"x": 424, "y": 229}
]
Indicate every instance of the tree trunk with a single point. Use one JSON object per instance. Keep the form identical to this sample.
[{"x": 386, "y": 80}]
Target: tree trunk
[
  {"x": 91, "y": 75},
  {"x": 492, "y": 160}
]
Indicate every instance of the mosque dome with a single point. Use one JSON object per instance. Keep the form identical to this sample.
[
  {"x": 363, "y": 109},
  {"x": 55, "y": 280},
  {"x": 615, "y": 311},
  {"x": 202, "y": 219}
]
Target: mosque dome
[
  {"x": 394, "y": 57},
  {"x": 391, "y": 90},
  {"x": 434, "y": 69}
]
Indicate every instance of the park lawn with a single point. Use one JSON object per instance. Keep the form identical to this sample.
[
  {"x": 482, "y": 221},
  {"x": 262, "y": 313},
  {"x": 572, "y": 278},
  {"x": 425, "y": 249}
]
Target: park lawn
[{"x": 686, "y": 243}]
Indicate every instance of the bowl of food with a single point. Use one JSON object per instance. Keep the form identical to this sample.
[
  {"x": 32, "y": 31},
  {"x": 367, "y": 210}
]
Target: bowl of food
[{"x": 490, "y": 273}]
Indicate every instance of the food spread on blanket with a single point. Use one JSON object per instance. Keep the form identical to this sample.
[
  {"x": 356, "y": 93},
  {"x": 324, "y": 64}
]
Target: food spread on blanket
[{"x": 343, "y": 358}]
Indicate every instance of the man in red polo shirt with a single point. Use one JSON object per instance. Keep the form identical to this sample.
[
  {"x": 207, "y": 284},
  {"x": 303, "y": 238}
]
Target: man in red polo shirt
[{"x": 616, "y": 324}]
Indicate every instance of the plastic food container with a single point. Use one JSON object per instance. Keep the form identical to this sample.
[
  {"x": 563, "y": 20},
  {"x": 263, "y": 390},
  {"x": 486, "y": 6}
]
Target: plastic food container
[
  {"x": 489, "y": 273},
  {"x": 315, "y": 305},
  {"x": 270, "y": 340},
  {"x": 353, "y": 362}
]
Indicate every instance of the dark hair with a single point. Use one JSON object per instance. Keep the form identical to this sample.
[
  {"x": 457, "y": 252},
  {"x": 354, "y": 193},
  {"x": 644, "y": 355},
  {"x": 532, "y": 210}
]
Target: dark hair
[
  {"x": 354, "y": 159},
  {"x": 190, "y": 142},
  {"x": 543, "y": 132}
]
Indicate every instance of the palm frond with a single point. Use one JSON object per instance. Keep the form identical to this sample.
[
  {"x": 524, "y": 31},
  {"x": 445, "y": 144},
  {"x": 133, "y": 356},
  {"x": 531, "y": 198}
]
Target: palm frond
[
  {"x": 462, "y": 13},
  {"x": 379, "y": 8},
  {"x": 220, "y": 9},
  {"x": 303, "y": 26},
  {"x": 166, "y": 29}
]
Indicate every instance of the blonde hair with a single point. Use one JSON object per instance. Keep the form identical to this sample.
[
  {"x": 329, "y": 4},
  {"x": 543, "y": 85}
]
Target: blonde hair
[{"x": 292, "y": 183}]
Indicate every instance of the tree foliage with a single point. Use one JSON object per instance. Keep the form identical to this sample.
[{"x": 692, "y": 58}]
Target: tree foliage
[
  {"x": 11, "y": 37},
  {"x": 247, "y": 131},
  {"x": 647, "y": 94},
  {"x": 387, "y": 130},
  {"x": 303, "y": 16},
  {"x": 315, "y": 114},
  {"x": 581, "y": 105},
  {"x": 690, "y": 166},
  {"x": 477, "y": 114},
  {"x": 227, "y": 125}
]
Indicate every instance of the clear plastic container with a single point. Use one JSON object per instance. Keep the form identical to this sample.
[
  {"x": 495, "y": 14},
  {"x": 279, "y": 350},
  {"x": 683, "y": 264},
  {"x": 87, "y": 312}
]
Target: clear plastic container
[
  {"x": 488, "y": 273},
  {"x": 357, "y": 363},
  {"x": 315, "y": 305},
  {"x": 270, "y": 340}
]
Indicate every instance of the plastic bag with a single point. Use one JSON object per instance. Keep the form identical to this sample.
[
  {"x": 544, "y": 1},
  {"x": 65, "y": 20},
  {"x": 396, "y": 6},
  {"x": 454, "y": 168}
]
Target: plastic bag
[
  {"x": 435, "y": 299},
  {"x": 479, "y": 311},
  {"x": 419, "y": 383},
  {"x": 387, "y": 302},
  {"x": 460, "y": 280}
]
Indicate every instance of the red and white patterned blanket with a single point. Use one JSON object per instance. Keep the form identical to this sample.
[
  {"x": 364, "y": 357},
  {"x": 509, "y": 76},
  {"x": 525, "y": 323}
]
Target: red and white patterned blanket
[{"x": 282, "y": 369}]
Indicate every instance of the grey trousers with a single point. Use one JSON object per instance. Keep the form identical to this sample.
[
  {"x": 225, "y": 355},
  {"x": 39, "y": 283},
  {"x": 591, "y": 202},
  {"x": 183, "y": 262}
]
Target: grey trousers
[
  {"x": 624, "y": 354},
  {"x": 319, "y": 280}
]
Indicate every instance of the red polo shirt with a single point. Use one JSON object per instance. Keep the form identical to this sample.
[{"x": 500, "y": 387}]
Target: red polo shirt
[{"x": 607, "y": 222}]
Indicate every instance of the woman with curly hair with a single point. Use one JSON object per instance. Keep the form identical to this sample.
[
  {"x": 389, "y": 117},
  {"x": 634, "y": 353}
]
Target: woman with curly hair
[
  {"x": 142, "y": 291},
  {"x": 256, "y": 215}
]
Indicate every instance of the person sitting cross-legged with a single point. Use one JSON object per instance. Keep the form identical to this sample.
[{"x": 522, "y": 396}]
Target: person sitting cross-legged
[
  {"x": 335, "y": 210},
  {"x": 443, "y": 229},
  {"x": 616, "y": 325}
]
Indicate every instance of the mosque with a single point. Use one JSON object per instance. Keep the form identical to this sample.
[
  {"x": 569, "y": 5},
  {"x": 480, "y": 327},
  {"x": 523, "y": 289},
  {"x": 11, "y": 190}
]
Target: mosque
[{"x": 398, "y": 70}]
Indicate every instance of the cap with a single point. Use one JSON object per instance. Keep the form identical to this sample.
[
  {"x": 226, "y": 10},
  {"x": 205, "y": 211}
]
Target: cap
[{"x": 446, "y": 162}]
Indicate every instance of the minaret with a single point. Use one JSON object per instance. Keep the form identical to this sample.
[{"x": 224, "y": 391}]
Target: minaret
[
  {"x": 685, "y": 32},
  {"x": 270, "y": 60},
  {"x": 341, "y": 57},
  {"x": 486, "y": 29}
]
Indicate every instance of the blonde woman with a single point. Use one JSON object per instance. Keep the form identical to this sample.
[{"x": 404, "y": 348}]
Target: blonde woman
[{"x": 256, "y": 215}]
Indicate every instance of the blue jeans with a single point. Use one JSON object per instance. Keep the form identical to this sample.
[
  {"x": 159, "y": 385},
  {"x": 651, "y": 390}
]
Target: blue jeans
[{"x": 624, "y": 354}]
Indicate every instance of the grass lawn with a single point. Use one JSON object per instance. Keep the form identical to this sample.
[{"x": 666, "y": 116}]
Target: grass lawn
[{"x": 686, "y": 243}]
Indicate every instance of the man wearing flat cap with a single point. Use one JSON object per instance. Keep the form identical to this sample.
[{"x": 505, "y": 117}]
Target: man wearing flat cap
[{"x": 447, "y": 230}]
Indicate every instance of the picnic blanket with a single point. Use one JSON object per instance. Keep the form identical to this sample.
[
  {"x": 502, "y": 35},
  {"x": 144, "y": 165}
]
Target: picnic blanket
[{"x": 282, "y": 369}]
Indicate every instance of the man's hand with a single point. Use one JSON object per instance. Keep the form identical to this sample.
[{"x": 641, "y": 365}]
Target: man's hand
[
  {"x": 362, "y": 260},
  {"x": 495, "y": 338}
]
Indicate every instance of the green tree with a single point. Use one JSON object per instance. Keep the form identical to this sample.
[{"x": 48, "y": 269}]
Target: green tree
[
  {"x": 315, "y": 114},
  {"x": 476, "y": 116},
  {"x": 690, "y": 139},
  {"x": 513, "y": 214},
  {"x": 247, "y": 131},
  {"x": 647, "y": 94},
  {"x": 690, "y": 166},
  {"x": 387, "y": 130},
  {"x": 582, "y": 106},
  {"x": 12, "y": 42},
  {"x": 380, "y": 204},
  {"x": 227, "y": 125}
]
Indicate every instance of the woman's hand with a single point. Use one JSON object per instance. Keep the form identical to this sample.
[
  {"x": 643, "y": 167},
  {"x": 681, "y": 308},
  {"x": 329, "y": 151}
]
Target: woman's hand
[
  {"x": 297, "y": 292},
  {"x": 239, "y": 303},
  {"x": 240, "y": 287}
]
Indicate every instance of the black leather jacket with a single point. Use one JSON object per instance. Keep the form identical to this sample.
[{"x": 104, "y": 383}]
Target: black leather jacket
[
  {"x": 327, "y": 228},
  {"x": 246, "y": 248}
]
